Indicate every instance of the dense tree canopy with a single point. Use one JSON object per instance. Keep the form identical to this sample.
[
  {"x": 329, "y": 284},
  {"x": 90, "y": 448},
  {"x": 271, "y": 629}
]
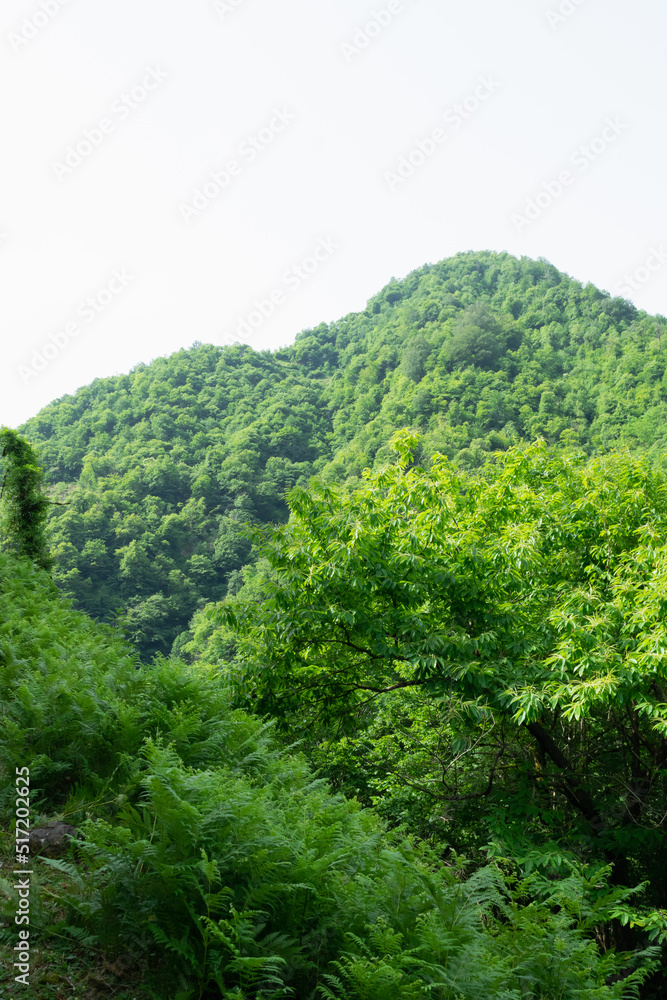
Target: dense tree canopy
[
  {"x": 529, "y": 598},
  {"x": 162, "y": 466}
]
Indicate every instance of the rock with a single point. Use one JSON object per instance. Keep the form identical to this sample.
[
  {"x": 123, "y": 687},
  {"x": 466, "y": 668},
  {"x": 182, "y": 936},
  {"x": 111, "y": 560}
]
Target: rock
[
  {"x": 98, "y": 983},
  {"x": 52, "y": 839},
  {"x": 121, "y": 966}
]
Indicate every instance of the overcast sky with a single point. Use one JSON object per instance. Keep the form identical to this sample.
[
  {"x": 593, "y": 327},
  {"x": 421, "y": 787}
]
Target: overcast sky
[{"x": 217, "y": 170}]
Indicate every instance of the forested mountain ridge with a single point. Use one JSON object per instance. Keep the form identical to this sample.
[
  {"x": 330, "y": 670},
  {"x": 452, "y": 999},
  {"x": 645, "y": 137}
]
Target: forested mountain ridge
[
  {"x": 469, "y": 646},
  {"x": 483, "y": 348},
  {"x": 163, "y": 466},
  {"x": 160, "y": 469}
]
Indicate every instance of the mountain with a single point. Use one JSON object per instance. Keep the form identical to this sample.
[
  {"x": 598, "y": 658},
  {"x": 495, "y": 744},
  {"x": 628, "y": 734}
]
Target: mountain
[{"x": 161, "y": 468}]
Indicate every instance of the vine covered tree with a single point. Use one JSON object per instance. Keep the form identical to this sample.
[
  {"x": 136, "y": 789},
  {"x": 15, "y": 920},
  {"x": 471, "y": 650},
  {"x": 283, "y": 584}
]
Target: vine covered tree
[{"x": 24, "y": 505}]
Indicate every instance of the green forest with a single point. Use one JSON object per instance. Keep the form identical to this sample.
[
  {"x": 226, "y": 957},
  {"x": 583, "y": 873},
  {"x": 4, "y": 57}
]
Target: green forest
[{"x": 348, "y": 661}]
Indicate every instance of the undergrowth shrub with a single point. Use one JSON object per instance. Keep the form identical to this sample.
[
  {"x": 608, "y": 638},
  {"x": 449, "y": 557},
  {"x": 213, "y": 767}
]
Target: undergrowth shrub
[{"x": 266, "y": 885}]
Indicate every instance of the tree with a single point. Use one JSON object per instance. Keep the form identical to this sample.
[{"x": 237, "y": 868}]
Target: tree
[
  {"x": 414, "y": 358},
  {"x": 532, "y": 597},
  {"x": 477, "y": 339},
  {"x": 23, "y": 499}
]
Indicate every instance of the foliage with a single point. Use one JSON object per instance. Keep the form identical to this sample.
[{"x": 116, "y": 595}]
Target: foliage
[
  {"x": 221, "y": 867},
  {"x": 24, "y": 502},
  {"x": 529, "y": 601},
  {"x": 470, "y": 642},
  {"x": 477, "y": 338}
]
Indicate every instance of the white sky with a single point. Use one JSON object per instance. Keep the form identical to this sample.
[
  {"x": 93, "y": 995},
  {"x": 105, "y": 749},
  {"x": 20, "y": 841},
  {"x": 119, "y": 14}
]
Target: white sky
[{"x": 220, "y": 71}]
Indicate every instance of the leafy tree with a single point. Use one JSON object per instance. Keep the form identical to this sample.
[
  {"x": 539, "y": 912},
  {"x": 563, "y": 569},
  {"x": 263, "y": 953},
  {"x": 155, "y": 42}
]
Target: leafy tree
[
  {"x": 529, "y": 598},
  {"x": 477, "y": 338},
  {"x": 24, "y": 502},
  {"x": 415, "y": 357}
]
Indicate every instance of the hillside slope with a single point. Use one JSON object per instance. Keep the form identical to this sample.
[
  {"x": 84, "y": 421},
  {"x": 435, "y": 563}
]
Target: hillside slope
[
  {"x": 161, "y": 467},
  {"x": 215, "y": 864}
]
